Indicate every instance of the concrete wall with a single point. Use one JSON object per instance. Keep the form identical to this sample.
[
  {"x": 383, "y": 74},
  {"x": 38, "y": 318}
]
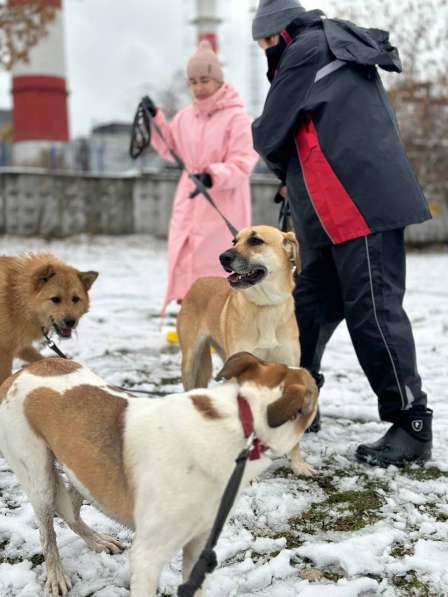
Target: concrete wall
[{"x": 37, "y": 203}]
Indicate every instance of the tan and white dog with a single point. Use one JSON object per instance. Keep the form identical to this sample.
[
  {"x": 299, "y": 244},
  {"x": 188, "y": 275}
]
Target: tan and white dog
[
  {"x": 157, "y": 466},
  {"x": 253, "y": 310}
]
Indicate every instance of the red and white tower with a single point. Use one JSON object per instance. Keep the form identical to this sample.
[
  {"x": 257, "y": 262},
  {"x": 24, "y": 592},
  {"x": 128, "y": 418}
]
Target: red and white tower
[
  {"x": 207, "y": 21},
  {"x": 39, "y": 89}
]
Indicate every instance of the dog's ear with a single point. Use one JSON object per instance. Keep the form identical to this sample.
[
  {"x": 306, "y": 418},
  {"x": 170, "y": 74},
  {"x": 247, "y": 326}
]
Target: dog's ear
[
  {"x": 297, "y": 399},
  {"x": 42, "y": 275},
  {"x": 292, "y": 248},
  {"x": 237, "y": 364},
  {"x": 87, "y": 279}
]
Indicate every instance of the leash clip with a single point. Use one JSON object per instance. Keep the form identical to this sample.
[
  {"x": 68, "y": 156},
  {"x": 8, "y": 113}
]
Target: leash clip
[
  {"x": 48, "y": 340},
  {"x": 52, "y": 345},
  {"x": 250, "y": 440},
  {"x": 254, "y": 447}
]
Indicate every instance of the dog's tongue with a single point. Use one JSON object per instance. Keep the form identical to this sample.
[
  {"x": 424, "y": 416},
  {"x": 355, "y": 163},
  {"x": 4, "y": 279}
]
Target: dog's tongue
[{"x": 66, "y": 332}]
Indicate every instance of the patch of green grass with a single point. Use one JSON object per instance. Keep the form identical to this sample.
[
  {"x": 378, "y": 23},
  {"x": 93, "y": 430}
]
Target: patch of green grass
[
  {"x": 263, "y": 557},
  {"x": 283, "y": 472},
  {"x": 430, "y": 473},
  {"x": 293, "y": 539},
  {"x": 400, "y": 551},
  {"x": 37, "y": 560},
  {"x": 332, "y": 576},
  {"x": 344, "y": 511},
  {"x": 434, "y": 512},
  {"x": 376, "y": 577},
  {"x": 170, "y": 381},
  {"x": 4, "y": 559},
  {"x": 326, "y": 483},
  {"x": 358, "y": 501},
  {"x": 409, "y": 585}
]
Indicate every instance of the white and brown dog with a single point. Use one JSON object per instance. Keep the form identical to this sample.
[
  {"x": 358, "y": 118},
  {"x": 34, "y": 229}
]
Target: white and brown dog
[
  {"x": 157, "y": 466},
  {"x": 253, "y": 310}
]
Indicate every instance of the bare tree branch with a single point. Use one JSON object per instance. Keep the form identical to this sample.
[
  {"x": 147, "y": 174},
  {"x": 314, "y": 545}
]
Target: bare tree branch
[{"x": 419, "y": 28}]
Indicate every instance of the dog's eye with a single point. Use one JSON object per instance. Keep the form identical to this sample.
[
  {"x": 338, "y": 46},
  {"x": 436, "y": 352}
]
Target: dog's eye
[
  {"x": 234, "y": 241},
  {"x": 254, "y": 240},
  {"x": 56, "y": 300},
  {"x": 76, "y": 299}
]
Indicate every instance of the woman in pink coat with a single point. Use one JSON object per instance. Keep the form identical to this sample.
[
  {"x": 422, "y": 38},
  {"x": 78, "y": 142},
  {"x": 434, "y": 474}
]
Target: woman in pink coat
[{"x": 213, "y": 138}]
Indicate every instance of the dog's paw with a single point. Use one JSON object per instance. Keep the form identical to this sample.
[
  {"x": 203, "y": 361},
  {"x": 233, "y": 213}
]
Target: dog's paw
[
  {"x": 105, "y": 543},
  {"x": 58, "y": 584},
  {"x": 302, "y": 469}
]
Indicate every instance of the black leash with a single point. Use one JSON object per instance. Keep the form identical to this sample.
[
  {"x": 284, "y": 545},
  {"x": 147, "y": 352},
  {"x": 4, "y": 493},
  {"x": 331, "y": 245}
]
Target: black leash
[
  {"x": 140, "y": 140},
  {"x": 55, "y": 348},
  {"x": 284, "y": 213},
  {"x": 207, "y": 561}
]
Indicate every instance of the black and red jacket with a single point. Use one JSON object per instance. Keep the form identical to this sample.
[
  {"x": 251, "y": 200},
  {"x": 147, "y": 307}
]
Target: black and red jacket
[{"x": 328, "y": 130}]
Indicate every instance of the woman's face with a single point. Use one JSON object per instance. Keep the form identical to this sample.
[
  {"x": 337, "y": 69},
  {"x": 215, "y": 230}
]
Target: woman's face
[{"x": 203, "y": 87}]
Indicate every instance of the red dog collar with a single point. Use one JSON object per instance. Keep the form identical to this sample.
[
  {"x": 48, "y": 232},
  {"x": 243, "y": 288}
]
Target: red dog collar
[{"x": 247, "y": 422}]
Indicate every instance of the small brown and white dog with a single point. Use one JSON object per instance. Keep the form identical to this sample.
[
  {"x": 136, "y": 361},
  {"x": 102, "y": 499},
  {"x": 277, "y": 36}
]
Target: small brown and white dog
[
  {"x": 157, "y": 466},
  {"x": 38, "y": 292},
  {"x": 253, "y": 310}
]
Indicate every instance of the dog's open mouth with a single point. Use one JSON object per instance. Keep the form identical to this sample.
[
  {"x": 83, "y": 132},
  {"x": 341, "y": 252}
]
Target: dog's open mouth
[
  {"x": 247, "y": 278},
  {"x": 63, "y": 331}
]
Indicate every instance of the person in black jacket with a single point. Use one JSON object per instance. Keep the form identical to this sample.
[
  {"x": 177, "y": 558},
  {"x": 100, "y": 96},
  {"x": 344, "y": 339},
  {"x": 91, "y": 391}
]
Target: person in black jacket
[{"x": 330, "y": 134}]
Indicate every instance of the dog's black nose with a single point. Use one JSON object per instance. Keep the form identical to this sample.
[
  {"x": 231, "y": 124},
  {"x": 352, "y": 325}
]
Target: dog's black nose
[
  {"x": 226, "y": 258},
  {"x": 70, "y": 323}
]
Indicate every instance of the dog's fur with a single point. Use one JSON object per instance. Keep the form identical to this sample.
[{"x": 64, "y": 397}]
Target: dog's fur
[
  {"x": 158, "y": 466},
  {"x": 255, "y": 316},
  {"x": 38, "y": 292}
]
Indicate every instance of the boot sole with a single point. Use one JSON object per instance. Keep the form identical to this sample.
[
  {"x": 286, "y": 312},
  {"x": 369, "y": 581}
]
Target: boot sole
[{"x": 375, "y": 460}]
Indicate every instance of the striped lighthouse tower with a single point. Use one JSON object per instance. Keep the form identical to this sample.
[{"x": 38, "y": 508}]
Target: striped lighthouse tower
[
  {"x": 39, "y": 89},
  {"x": 207, "y": 21}
]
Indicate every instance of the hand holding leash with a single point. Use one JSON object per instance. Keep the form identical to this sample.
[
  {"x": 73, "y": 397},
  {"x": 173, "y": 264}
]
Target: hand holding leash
[
  {"x": 281, "y": 194},
  {"x": 141, "y": 139},
  {"x": 150, "y": 105},
  {"x": 205, "y": 179},
  {"x": 281, "y": 197}
]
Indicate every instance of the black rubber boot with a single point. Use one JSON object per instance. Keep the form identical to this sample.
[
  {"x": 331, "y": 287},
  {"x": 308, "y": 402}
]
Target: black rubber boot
[
  {"x": 315, "y": 425},
  {"x": 408, "y": 440}
]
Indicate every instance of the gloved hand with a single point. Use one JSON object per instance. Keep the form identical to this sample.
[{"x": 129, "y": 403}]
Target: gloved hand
[
  {"x": 150, "y": 105},
  {"x": 281, "y": 194},
  {"x": 206, "y": 180}
]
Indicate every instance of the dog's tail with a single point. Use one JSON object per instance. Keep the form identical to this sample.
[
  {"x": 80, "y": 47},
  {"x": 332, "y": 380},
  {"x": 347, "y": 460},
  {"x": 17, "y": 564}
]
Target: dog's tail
[{"x": 197, "y": 364}]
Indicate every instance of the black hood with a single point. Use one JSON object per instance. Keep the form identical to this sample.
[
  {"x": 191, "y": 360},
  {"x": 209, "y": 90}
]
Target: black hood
[
  {"x": 348, "y": 42},
  {"x": 351, "y": 43}
]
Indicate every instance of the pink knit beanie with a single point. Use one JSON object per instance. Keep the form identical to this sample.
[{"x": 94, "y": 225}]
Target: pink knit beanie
[{"x": 205, "y": 63}]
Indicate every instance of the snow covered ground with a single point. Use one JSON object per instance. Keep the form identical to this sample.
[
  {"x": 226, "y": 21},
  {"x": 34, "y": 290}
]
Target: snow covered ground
[{"x": 351, "y": 530}]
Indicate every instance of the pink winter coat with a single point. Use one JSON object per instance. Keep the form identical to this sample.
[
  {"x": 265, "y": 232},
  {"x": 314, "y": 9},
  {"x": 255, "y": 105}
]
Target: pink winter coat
[{"x": 212, "y": 136}]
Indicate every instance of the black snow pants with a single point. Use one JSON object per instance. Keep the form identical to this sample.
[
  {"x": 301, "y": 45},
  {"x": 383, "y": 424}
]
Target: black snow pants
[{"x": 363, "y": 282}]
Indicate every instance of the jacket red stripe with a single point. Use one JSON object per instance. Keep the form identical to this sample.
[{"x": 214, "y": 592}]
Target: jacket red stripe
[{"x": 336, "y": 210}]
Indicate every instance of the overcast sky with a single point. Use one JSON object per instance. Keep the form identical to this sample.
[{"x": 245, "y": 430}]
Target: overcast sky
[{"x": 116, "y": 51}]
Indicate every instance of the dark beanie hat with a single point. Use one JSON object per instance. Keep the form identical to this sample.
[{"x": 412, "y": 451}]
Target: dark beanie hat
[{"x": 273, "y": 16}]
